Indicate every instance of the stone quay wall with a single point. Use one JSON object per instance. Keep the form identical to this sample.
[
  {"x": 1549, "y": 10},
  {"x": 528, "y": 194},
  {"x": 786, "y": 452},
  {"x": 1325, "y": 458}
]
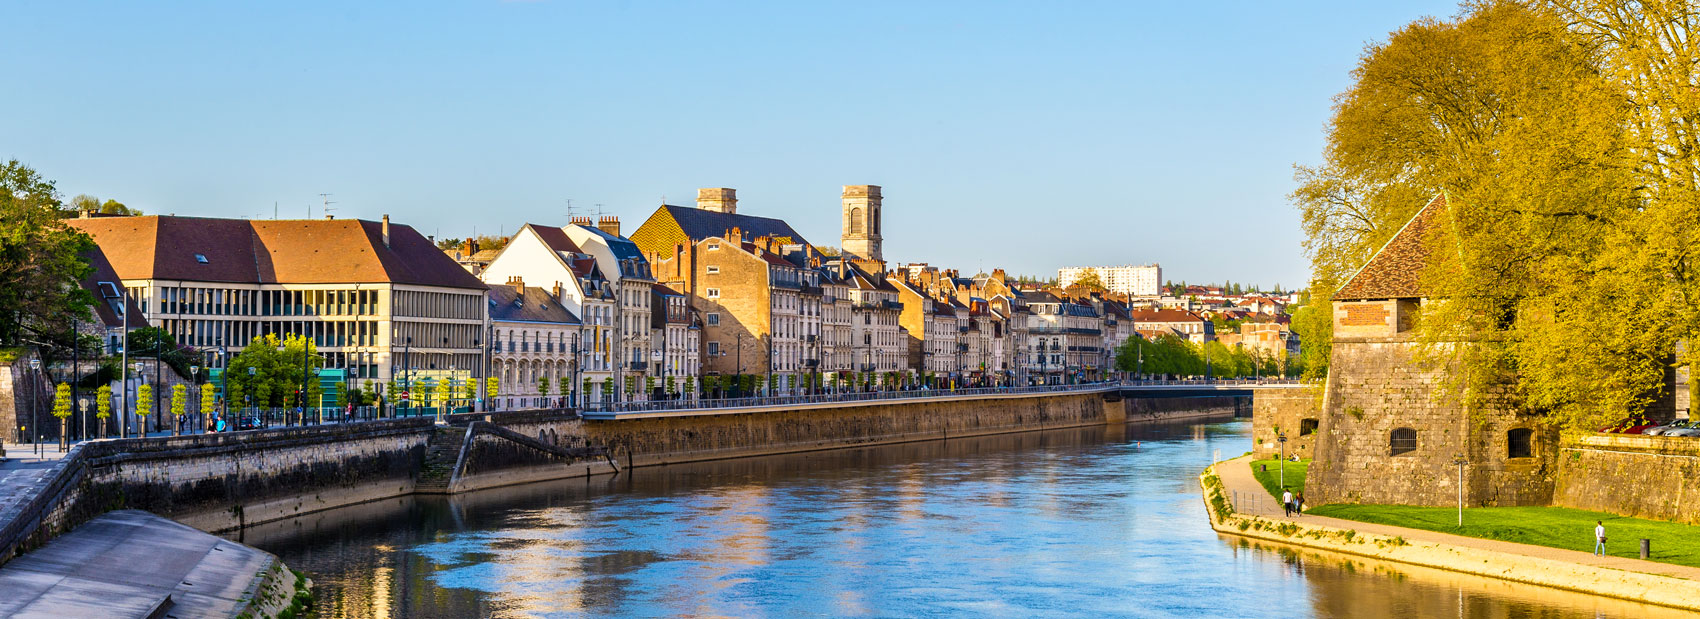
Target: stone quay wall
[
  {"x": 1654, "y": 477},
  {"x": 493, "y": 461},
  {"x": 1376, "y": 386},
  {"x": 664, "y": 440}
]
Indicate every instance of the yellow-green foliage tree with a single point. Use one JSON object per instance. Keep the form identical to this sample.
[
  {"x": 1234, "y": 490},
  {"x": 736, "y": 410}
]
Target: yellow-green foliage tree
[
  {"x": 179, "y": 404},
  {"x": 490, "y": 386},
  {"x": 209, "y": 398},
  {"x": 445, "y": 390},
  {"x": 1562, "y": 263},
  {"x": 62, "y": 400},
  {"x": 103, "y": 403},
  {"x": 144, "y": 404}
]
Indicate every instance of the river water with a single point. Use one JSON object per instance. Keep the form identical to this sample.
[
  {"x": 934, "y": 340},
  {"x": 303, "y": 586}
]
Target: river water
[{"x": 1102, "y": 521}]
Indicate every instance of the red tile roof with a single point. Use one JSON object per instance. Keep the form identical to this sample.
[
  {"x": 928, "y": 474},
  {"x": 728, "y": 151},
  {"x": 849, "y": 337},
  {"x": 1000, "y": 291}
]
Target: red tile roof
[
  {"x": 276, "y": 251},
  {"x": 1395, "y": 271}
]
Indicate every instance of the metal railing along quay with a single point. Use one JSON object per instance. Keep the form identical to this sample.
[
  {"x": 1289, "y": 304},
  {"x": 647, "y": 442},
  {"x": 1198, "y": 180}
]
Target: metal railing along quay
[{"x": 904, "y": 394}]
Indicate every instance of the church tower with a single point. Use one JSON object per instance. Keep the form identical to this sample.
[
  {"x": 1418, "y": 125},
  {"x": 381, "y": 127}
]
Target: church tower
[{"x": 861, "y": 230}]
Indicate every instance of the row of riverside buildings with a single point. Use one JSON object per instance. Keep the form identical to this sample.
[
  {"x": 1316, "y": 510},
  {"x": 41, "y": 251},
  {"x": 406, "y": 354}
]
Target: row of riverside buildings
[{"x": 584, "y": 314}]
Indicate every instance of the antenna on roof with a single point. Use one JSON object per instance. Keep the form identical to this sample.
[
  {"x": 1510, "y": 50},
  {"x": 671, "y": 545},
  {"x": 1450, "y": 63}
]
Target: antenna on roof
[
  {"x": 326, "y": 197},
  {"x": 569, "y": 209},
  {"x": 274, "y": 209}
]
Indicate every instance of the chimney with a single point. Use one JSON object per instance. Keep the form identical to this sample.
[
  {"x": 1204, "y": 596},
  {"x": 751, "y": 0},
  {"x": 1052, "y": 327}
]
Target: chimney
[
  {"x": 329, "y": 217},
  {"x": 583, "y": 221},
  {"x": 386, "y": 231},
  {"x": 470, "y": 247},
  {"x": 718, "y": 199},
  {"x": 560, "y": 293},
  {"x": 609, "y": 224},
  {"x": 518, "y": 283}
]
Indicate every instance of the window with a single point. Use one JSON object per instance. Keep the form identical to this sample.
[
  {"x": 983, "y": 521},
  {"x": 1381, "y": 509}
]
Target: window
[
  {"x": 713, "y": 270},
  {"x": 713, "y": 246},
  {"x": 714, "y": 349},
  {"x": 713, "y": 293},
  {"x": 201, "y": 258},
  {"x": 1307, "y": 426},
  {"x": 1518, "y": 443},
  {"x": 714, "y": 319},
  {"x": 1402, "y": 440}
]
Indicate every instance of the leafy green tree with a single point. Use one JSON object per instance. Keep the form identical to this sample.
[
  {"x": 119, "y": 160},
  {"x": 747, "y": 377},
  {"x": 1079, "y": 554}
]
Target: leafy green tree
[
  {"x": 543, "y": 386},
  {"x": 492, "y": 384},
  {"x": 445, "y": 391},
  {"x": 1090, "y": 279},
  {"x": 103, "y": 404},
  {"x": 41, "y": 262},
  {"x": 278, "y": 374},
  {"x": 209, "y": 398}
]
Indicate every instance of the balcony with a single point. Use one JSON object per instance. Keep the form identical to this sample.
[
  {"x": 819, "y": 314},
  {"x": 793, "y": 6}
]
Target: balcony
[
  {"x": 639, "y": 366},
  {"x": 867, "y": 367}
]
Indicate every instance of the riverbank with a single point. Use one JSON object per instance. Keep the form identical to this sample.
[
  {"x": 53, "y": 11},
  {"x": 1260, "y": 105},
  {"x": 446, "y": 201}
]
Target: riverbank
[{"x": 1258, "y": 517}]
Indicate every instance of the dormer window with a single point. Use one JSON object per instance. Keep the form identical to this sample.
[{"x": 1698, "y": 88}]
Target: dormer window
[{"x": 201, "y": 258}]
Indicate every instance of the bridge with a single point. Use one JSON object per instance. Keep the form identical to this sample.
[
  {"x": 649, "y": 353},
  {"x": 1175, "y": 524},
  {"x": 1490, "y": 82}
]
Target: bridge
[{"x": 1111, "y": 390}]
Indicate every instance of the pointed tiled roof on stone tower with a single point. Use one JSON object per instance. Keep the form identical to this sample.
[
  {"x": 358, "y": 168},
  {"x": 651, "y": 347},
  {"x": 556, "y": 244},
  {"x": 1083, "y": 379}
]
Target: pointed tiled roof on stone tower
[{"x": 1395, "y": 271}]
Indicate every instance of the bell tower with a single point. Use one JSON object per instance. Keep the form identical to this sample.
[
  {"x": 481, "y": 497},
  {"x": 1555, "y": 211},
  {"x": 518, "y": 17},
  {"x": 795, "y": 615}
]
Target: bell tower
[{"x": 860, "y": 234}]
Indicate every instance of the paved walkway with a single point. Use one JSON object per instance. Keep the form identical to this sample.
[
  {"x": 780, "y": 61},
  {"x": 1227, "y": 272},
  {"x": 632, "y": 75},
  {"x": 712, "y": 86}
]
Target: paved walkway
[
  {"x": 134, "y": 564},
  {"x": 1254, "y": 500},
  {"x": 22, "y": 474}
]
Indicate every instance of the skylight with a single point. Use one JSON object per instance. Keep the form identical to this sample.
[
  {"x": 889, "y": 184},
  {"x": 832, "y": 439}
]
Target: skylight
[{"x": 201, "y": 258}]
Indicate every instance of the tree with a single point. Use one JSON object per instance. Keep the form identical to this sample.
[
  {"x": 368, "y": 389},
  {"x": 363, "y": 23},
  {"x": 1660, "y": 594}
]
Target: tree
[
  {"x": 62, "y": 410},
  {"x": 41, "y": 261},
  {"x": 278, "y": 375},
  {"x": 1090, "y": 279},
  {"x": 209, "y": 398},
  {"x": 144, "y": 405},
  {"x": 1509, "y": 112},
  {"x": 445, "y": 391},
  {"x": 179, "y": 406},
  {"x": 543, "y": 386},
  {"x": 491, "y": 384},
  {"x": 103, "y": 406}
]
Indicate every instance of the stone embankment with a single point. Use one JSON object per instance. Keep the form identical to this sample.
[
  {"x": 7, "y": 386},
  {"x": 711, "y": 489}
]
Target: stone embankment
[{"x": 1628, "y": 579}]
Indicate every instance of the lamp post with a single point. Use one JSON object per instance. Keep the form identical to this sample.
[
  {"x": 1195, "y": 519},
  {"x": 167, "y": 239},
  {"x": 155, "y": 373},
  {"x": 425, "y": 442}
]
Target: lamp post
[
  {"x": 1281, "y": 438},
  {"x": 35, "y": 396},
  {"x": 195, "y": 379},
  {"x": 248, "y": 395},
  {"x": 1458, "y": 459}
]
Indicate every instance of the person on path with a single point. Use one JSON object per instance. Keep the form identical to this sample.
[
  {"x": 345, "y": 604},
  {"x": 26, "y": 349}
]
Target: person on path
[
  {"x": 1299, "y": 503},
  {"x": 1286, "y": 502},
  {"x": 1599, "y": 538}
]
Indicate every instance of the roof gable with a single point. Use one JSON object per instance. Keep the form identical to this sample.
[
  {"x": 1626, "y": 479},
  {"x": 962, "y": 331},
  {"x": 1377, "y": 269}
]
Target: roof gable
[{"x": 1395, "y": 271}]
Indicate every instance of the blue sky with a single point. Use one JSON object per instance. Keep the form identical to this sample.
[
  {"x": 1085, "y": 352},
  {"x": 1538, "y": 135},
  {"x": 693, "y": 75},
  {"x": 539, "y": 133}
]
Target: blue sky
[{"x": 1022, "y": 135}]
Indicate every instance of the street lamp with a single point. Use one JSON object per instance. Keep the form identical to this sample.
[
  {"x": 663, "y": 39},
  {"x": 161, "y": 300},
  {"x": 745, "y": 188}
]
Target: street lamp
[
  {"x": 35, "y": 395},
  {"x": 1281, "y": 438},
  {"x": 1458, "y": 459},
  {"x": 84, "y": 405},
  {"x": 194, "y": 379},
  {"x": 248, "y": 394}
]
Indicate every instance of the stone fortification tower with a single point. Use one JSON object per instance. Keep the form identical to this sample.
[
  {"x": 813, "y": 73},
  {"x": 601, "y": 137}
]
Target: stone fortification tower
[{"x": 861, "y": 229}]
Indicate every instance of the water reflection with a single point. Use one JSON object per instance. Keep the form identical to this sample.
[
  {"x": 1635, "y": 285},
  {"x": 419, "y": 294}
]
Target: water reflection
[{"x": 1092, "y": 521}]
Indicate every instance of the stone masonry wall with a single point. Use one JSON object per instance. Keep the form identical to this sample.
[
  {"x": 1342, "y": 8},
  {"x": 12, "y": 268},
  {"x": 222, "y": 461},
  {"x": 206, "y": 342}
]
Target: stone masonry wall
[
  {"x": 1376, "y": 386},
  {"x": 1276, "y": 411},
  {"x": 1642, "y": 476},
  {"x": 640, "y": 442}
]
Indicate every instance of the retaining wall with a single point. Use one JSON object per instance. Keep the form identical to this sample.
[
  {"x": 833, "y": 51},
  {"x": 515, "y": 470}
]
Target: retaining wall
[
  {"x": 1654, "y": 477},
  {"x": 662, "y": 440}
]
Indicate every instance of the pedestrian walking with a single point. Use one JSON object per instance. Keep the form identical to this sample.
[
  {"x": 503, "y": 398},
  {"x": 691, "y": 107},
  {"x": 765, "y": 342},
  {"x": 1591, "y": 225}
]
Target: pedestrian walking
[
  {"x": 1299, "y": 503},
  {"x": 1286, "y": 502},
  {"x": 1599, "y": 538}
]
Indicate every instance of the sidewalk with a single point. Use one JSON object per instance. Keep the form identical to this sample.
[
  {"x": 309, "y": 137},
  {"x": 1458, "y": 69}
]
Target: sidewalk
[
  {"x": 22, "y": 474},
  {"x": 1237, "y": 479}
]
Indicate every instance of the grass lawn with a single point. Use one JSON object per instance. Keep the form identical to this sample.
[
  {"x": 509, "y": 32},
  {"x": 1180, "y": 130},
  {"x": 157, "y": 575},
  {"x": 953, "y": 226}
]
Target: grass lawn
[
  {"x": 1554, "y": 527},
  {"x": 1271, "y": 479}
]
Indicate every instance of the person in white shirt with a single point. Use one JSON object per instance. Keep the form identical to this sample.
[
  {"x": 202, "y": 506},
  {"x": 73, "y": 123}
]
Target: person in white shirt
[
  {"x": 1286, "y": 502},
  {"x": 1599, "y": 538}
]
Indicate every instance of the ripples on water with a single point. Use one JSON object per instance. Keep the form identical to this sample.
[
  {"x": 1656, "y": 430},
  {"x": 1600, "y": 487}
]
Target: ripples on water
[{"x": 1083, "y": 522}]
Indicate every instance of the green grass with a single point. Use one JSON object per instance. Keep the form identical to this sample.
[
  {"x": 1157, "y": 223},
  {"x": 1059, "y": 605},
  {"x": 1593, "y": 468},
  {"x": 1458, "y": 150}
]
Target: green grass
[
  {"x": 1553, "y": 527},
  {"x": 1271, "y": 480}
]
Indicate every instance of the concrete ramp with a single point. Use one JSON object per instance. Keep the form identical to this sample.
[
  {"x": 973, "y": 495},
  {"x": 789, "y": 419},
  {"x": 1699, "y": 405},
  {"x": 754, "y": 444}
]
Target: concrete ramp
[{"x": 134, "y": 564}]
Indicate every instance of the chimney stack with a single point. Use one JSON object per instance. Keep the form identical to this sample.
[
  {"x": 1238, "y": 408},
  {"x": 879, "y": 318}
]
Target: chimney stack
[
  {"x": 518, "y": 283},
  {"x": 560, "y": 293},
  {"x": 718, "y": 199},
  {"x": 609, "y": 224},
  {"x": 583, "y": 220},
  {"x": 386, "y": 231}
]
